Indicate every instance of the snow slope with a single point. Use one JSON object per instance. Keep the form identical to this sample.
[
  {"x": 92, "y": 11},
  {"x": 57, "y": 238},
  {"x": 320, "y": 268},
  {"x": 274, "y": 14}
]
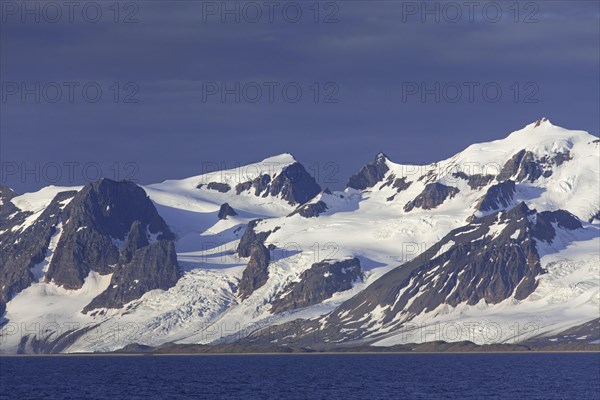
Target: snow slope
[{"x": 203, "y": 307}]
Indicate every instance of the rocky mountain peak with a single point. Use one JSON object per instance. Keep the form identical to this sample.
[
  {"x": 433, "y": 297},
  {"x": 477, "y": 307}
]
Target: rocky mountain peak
[
  {"x": 489, "y": 240},
  {"x": 542, "y": 121},
  {"x": 6, "y": 194},
  {"x": 280, "y": 176},
  {"x": 381, "y": 157},
  {"x": 99, "y": 216},
  {"x": 370, "y": 174},
  {"x": 112, "y": 207}
]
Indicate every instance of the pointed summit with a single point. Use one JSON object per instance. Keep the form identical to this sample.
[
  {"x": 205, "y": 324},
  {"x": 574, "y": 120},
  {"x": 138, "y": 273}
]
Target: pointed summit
[
  {"x": 370, "y": 174},
  {"x": 381, "y": 156},
  {"x": 542, "y": 121}
]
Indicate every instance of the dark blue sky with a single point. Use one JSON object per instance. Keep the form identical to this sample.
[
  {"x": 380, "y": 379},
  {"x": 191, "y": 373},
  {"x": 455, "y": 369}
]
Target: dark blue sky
[{"x": 372, "y": 58}]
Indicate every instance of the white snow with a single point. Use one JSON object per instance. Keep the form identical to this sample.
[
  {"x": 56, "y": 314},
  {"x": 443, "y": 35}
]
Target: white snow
[
  {"x": 203, "y": 307},
  {"x": 568, "y": 295},
  {"x": 40, "y": 269},
  {"x": 46, "y": 310},
  {"x": 36, "y": 202}
]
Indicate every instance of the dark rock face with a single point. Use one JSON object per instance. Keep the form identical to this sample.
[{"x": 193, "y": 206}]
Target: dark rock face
[
  {"x": 470, "y": 264},
  {"x": 6, "y": 194},
  {"x": 525, "y": 166},
  {"x": 136, "y": 239},
  {"x": 370, "y": 174},
  {"x": 153, "y": 266},
  {"x": 99, "y": 214},
  {"x": 399, "y": 184},
  {"x": 252, "y": 245},
  {"x": 511, "y": 167},
  {"x": 219, "y": 187},
  {"x": 256, "y": 273},
  {"x": 311, "y": 210},
  {"x": 543, "y": 228},
  {"x": 226, "y": 211},
  {"x": 259, "y": 184},
  {"x": 293, "y": 184},
  {"x": 475, "y": 181},
  {"x": 78, "y": 253},
  {"x": 432, "y": 196},
  {"x": 251, "y": 238},
  {"x": 23, "y": 249},
  {"x": 497, "y": 196},
  {"x": 529, "y": 168},
  {"x": 10, "y": 215},
  {"x": 559, "y": 158},
  {"x": 318, "y": 283}
]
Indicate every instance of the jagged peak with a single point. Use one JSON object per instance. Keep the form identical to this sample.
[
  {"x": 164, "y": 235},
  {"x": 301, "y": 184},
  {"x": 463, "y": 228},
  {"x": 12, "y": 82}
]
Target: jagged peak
[
  {"x": 370, "y": 174},
  {"x": 381, "y": 157},
  {"x": 540, "y": 138},
  {"x": 6, "y": 190},
  {"x": 542, "y": 121}
]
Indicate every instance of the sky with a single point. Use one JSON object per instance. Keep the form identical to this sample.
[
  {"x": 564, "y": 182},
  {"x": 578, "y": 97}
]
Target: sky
[{"x": 155, "y": 90}]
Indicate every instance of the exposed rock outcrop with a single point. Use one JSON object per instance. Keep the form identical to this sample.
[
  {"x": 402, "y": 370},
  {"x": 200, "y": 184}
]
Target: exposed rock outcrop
[
  {"x": 311, "y": 210},
  {"x": 260, "y": 185},
  {"x": 293, "y": 184},
  {"x": 226, "y": 211},
  {"x": 318, "y": 283},
  {"x": 219, "y": 187},
  {"x": 136, "y": 239},
  {"x": 10, "y": 215},
  {"x": 491, "y": 259},
  {"x": 475, "y": 181},
  {"x": 153, "y": 266},
  {"x": 432, "y": 196},
  {"x": 23, "y": 249},
  {"x": 524, "y": 166},
  {"x": 512, "y": 166},
  {"x": 401, "y": 184},
  {"x": 256, "y": 273},
  {"x": 97, "y": 219},
  {"x": 6, "y": 194},
  {"x": 370, "y": 174},
  {"x": 544, "y": 229},
  {"x": 250, "y": 237},
  {"x": 498, "y": 196}
]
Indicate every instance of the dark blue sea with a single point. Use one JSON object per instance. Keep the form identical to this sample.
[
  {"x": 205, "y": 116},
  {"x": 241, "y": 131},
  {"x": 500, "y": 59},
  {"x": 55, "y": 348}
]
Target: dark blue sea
[{"x": 381, "y": 376}]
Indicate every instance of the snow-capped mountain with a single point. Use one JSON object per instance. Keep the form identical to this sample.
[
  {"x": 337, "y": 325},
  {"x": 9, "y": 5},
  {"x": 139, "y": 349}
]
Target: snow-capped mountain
[{"x": 499, "y": 243}]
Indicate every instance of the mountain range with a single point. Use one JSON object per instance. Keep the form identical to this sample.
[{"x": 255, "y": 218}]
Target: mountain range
[{"x": 498, "y": 244}]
